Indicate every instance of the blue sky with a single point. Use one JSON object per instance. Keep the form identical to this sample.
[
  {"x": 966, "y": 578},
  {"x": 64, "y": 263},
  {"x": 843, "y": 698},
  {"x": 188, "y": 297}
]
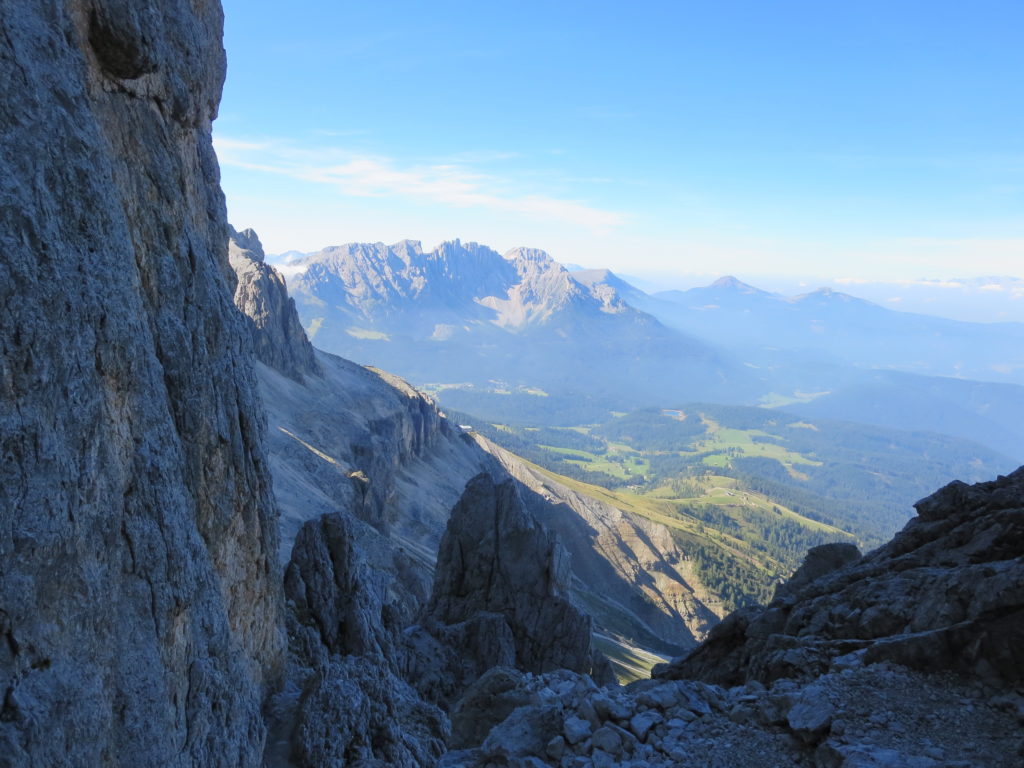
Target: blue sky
[{"x": 875, "y": 140}]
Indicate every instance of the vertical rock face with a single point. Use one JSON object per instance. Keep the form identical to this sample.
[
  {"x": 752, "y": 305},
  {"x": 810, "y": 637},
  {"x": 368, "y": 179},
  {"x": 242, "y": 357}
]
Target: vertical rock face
[
  {"x": 139, "y": 600},
  {"x": 262, "y": 296}
]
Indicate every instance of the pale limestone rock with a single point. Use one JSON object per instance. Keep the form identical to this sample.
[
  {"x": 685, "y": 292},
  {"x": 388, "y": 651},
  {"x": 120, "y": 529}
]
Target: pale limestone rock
[{"x": 262, "y": 296}]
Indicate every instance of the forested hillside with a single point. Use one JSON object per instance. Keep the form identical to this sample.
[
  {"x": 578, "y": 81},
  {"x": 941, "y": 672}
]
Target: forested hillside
[{"x": 746, "y": 491}]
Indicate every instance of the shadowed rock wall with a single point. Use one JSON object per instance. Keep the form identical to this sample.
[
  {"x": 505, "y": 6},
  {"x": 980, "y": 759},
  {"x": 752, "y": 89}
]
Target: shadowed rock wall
[{"x": 139, "y": 600}]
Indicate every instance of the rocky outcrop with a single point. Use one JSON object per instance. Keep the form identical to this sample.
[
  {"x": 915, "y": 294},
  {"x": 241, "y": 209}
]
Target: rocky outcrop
[
  {"x": 495, "y": 558},
  {"x": 139, "y": 596},
  {"x": 352, "y": 705},
  {"x": 360, "y": 442},
  {"x": 946, "y": 593},
  {"x": 330, "y": 588},
  {"x": 498, "y": 602},
  {"x": 262, "y": 296}
]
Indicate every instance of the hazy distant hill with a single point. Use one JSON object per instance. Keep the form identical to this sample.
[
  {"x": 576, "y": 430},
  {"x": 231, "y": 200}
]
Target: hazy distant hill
[
  {"x": 513, "y": 328},
  {"x": 835, "y": 326},
  {"x": 828, "y": 354},
  {"x": 517, "y": 338}
]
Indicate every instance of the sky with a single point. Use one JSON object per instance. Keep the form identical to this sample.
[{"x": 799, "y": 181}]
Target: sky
[{"x": 879, "y": 141}]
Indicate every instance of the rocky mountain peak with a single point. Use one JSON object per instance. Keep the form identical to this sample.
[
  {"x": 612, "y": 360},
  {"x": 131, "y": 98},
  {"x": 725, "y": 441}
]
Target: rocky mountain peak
[
  {"x": 248, "y": 241},
  {"x": 733, "y": 284},
  {"x": 262, "y": 296},
  {"x": 495, "y": 558},
  {"x": 522, "y": 254}
]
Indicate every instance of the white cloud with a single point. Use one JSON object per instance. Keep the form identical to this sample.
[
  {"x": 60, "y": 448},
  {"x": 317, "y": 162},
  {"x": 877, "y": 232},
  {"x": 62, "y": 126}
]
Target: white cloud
[{"x": 453, "y": 183}]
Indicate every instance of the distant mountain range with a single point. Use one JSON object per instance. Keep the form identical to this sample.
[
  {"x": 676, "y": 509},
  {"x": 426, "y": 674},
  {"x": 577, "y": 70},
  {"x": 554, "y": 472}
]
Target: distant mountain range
[
  {"x": 518, "y": 338},
  {"x": 834, "y": 326},
  {"x": 518, "y": 325}
]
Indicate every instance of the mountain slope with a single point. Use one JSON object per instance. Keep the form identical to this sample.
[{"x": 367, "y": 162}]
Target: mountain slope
[
  {"x": 944, "y": 593},
  {"x": 356, "y": 442},
  {"x": 831, "y": 355},
  {"x": 629, "y": 572}
]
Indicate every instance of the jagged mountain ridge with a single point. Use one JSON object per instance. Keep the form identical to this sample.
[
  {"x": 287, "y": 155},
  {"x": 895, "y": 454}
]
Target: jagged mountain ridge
[
  {"x": 359, "y": 442},
  {"x": 143, "y": 612},
  {"x": 402, "y": 289},
  {"x": 465, "y": 315},
  {"x": 365, "y": 471}
]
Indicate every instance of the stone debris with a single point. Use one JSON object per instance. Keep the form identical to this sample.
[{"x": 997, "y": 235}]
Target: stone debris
[{"x": 878, "y": 715}]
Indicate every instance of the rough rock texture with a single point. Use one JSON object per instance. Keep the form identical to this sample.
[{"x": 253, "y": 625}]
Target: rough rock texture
[
  {"x": 331, "y": 589},
  {"x": 353, "y": 712},
  {"x": 820, "y": 561},
  {"x": 946, "y": 593},
  {"x": 364, "y": 444},
  {"x": 262, "y": 295},
  {"x": 496, "y": 558},
  {"x": 345, "y": 702},
  {"x": 139, "y": 597},
  {"x": 869, "y": 717}
]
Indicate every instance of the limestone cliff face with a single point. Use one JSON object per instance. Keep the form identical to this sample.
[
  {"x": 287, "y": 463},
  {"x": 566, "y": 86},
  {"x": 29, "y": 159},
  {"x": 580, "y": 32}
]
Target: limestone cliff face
[
  {"x": 139, "y": 593},
  {"x": 361, "y": 442},
  {"x": 946, "y": 593},
  {"x": 262, "y": 296}
]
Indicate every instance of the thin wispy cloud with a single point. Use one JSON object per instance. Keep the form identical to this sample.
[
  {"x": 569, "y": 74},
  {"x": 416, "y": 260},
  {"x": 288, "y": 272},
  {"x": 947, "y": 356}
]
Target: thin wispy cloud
[{"x": 457, "y": 184}]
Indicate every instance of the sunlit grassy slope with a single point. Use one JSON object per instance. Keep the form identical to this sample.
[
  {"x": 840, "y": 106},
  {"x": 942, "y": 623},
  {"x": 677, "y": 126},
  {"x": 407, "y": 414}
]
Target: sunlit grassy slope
[
  {"x": 629, "y": 662},
  {"x": 729, "y": 531}
]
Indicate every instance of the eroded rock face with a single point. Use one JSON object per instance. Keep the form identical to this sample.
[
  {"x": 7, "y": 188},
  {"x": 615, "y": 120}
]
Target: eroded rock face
[
  {"x": 356, "y": 712},
  {"x": 354, "y": 706},
  {"x": 139, "y": 597},
  {"x": 262, "y": 295},
  {"x": 946, "y": 593},
  {"x": 333, "y": 591},
  {"x": 496, "y": 558}
]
